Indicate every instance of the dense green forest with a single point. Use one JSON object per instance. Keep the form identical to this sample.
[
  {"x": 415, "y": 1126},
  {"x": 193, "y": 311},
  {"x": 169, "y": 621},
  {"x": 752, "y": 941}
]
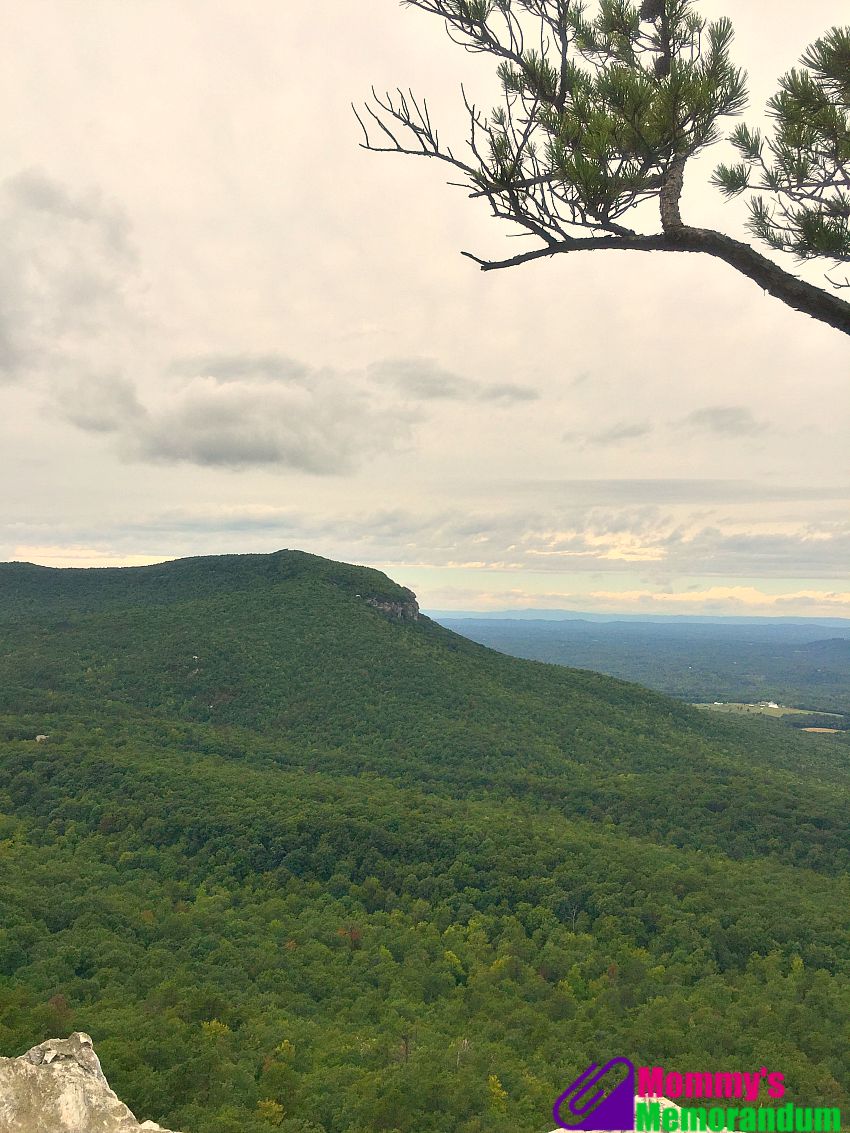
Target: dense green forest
[
  {"x": 299, "y": 860},
  {"x": 805, "y": 665}
]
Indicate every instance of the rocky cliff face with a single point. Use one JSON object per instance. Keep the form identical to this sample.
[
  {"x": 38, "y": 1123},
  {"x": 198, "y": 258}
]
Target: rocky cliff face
[
  {"x": 405, "y": 610},
  {"x": 59, "y": 1087}
]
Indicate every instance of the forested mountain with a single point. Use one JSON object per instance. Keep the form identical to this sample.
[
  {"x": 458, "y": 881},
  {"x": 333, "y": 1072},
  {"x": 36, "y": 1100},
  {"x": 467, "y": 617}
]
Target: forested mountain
[
  {"x": 801, "y": 664},
  {"x": 298, "y": 858}
]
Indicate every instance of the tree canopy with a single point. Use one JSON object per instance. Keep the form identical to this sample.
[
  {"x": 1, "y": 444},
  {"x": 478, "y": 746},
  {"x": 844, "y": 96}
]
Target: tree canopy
[
  {"x": 299, "y": 864},
  {"x": 601, "y": 113}
]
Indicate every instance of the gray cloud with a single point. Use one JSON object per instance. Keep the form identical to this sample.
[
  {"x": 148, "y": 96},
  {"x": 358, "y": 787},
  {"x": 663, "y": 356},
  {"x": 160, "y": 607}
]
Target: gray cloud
[
  {"x": 507, "y": 392},
  {"x": 255, "y": 410},
  {"x": 233, "y": 367},
  {"x": 254, "y": 427},
  {"x": 425, "y": 379},
  {"x": 717, "y": 420},
  {"x": 665, "y": 491},
  {"x": 619, "y": 433},
  {"x": 603, "y": 539},
  {"x": 321, "y": 424},
  {"x": 724, "y": 420},
  {"x": 615, "y": 435},
  {"x": 242, "y": 433},
  {"x": 658, "y": 543},
  {"x": 810, "y": 551},
  {"x": 98, "y": 404},
  {"x": 67, "y": 262},
  {"x": 836, "y": 601},
  {"x": 34, "y": 191},
  {"x": 13, "y": 351}
]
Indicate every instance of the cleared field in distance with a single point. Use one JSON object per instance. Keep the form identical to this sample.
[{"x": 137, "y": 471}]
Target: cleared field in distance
[{"x": 764, "y": 710}]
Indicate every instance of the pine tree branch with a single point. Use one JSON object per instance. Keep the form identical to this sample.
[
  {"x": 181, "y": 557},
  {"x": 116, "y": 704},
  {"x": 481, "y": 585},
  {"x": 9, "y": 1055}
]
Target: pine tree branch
[
  {"x": 821, "y": 305},
  {"x": 575, "y": 147}
]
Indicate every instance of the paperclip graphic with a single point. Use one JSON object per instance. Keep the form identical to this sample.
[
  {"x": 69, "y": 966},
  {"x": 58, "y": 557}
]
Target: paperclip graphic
[{"x": 585, "y": 1104}]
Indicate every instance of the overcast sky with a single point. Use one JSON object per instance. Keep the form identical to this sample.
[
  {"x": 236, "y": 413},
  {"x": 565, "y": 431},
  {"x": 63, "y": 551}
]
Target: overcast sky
[{"x": 225, "y": 328}]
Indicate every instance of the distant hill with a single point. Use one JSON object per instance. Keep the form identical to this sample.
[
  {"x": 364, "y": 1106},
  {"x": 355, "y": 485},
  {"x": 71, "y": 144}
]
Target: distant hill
[
  {"x": 798, "y": 663},
  {"x": 297, "y": 856},
  {"x": 30, "y": 590},
  {"x": 555, "y": 615}
]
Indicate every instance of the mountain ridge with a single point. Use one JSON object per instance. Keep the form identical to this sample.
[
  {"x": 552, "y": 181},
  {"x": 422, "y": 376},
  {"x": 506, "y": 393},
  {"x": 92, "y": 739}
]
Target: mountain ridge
[
  {"x": 173, "y": 580},
  {"x": 294, "y": 860},
  {"x": 554, "y": 614}
]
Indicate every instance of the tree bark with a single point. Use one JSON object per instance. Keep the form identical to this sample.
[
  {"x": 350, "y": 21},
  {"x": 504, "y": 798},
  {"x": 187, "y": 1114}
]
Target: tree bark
[{"x": 804, "y": 297}]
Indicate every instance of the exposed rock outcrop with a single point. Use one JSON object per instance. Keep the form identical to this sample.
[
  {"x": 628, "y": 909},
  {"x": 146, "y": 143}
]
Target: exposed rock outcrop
[
  {"x": 59, "y": 1087},
  {"x": 405, "y": 610}
]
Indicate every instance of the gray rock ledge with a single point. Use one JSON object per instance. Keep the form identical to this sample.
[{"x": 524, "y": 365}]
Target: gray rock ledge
[{"x": 59, "y": 1087}]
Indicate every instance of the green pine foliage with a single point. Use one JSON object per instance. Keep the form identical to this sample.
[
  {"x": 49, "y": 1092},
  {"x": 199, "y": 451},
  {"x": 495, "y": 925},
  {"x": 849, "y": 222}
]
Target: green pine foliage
[
  {"x": 647, "y": 85},
  {"x": 802, "y": 164},
  {"x": 298, "y": 863}
]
